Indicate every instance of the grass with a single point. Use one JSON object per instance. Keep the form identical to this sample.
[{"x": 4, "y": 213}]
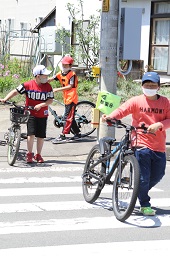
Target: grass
[{"x": 88, "y": 90}]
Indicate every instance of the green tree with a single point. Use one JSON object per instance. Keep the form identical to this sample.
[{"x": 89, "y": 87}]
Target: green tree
[{"x": 85, "y": 35}]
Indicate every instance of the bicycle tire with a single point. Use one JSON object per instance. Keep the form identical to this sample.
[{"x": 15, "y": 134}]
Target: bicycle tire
[
  {"x": 91, "y": 186},
  {"x": 14, "y": 139},
  {"x": 125, "y": 190},
  {"x": 84, "y": 109}
]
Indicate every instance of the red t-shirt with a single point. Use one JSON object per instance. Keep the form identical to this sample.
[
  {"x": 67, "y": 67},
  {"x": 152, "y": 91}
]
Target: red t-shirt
[
  {"x": 36, "y": 94},
  {"x": 149, "y": 112}
]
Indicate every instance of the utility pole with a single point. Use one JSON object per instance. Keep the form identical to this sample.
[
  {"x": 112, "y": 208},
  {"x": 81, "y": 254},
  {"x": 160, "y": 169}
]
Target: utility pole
[{"x": 108, "y": 54}]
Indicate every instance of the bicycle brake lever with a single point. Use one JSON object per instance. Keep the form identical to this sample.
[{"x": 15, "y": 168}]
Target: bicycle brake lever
[{"x": 109, "y": 122}]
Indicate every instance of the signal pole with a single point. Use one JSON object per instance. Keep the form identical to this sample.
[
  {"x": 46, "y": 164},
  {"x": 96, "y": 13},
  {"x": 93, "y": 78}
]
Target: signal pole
[{"x": 108, "y": 55}]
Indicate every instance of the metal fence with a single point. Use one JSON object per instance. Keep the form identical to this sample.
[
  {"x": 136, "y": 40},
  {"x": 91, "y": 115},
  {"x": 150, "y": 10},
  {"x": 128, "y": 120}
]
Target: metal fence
[{"x": 23, "y": 45}]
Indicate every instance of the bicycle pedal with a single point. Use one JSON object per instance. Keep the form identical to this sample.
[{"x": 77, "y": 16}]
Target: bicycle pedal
[
  {"x": 109, "y": 182},
  {"x": 88, "y": 182},
  {"x": 125, "y": 180}
]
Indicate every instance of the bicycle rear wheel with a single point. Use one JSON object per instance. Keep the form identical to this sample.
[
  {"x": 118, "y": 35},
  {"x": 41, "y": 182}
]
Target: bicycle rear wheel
[
  {"x": 83, "y": 117},
  {"x": 125, "y": 188},
  {"x": 14, "y": 139},
  {"x": 93, "y": 180}
]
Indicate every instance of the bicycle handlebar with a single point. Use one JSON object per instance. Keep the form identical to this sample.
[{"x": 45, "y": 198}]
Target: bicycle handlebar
[
  {"x": 119, "y": 124},
  {"x": 12, "y": 103}
]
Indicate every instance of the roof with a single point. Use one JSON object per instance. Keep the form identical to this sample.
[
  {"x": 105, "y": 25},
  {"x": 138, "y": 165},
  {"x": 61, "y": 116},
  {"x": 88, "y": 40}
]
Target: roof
[{"x": 44, "y": 22}]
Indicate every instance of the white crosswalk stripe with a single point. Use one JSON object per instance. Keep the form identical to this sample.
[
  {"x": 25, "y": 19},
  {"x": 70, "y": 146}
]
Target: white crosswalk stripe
[
  {"x": 25, "y": 211},
  {"x": 159, "y": 247}
]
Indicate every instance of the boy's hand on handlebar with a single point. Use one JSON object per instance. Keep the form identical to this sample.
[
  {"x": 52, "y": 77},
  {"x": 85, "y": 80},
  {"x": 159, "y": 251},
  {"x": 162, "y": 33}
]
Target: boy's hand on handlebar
[
  {"x": 37, "y": 107},
  {"x": 153, "y": 128},
  {"x": 105, "y": 118},
  {"x": 2, "y": 100}
]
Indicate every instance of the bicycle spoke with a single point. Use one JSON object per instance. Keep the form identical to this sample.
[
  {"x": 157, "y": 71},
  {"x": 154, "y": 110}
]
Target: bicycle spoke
[
  {"x": 13, "y": 145},
  {"x": 92, "y": 182},
  {"x": 125, "y": 188},
  {"x": 83, "y": 117}
]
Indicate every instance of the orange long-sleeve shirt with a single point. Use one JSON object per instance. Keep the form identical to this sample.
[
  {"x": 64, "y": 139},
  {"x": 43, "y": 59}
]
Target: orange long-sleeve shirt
[{"x": 147, "y": 111}]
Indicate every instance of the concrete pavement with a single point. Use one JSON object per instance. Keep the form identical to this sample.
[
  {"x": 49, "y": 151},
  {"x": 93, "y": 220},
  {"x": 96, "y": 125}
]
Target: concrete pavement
[{"x": 72, "y": 151}]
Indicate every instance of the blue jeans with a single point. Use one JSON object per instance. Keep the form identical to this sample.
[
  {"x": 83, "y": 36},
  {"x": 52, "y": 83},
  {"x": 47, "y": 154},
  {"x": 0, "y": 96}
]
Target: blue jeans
[{"x": 152, "y": 169}]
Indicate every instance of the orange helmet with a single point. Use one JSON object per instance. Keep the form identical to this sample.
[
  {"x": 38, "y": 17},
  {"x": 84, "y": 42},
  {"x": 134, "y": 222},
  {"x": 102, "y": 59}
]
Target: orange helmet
[{"x": 67, "y": 60}]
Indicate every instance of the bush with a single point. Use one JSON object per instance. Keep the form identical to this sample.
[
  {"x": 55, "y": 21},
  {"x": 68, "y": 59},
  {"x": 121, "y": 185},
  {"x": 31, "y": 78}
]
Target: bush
[
  {"x": 88, "y": 90},
  {"x": 12, "y": 74},
  {"x": 128, "y": 88}
]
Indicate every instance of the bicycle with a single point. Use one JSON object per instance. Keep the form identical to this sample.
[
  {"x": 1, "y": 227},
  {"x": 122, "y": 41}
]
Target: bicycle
[
  {"x": 103, "y": 161},
  {"x": 82, "y": 116},
  {"x": 18, "y": 115}
]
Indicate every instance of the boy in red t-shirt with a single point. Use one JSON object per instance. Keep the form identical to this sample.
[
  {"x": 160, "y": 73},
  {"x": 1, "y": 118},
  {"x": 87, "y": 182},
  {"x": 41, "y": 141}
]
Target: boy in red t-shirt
[
  {"x": 39, "y": 94},
  {"x": 153, "y": 110}
]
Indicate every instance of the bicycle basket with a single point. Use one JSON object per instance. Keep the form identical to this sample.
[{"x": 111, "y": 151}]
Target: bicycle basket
[{"x": 19, "y": 115}]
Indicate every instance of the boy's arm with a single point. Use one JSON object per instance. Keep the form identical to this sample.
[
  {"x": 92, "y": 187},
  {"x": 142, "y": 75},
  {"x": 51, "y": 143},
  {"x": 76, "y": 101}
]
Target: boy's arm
[
  {"x": 50, "y": 79},
  {"x": 68, "y": 87},
  {"x": 43, "y": 104},
  {"x": 125, "y": 109},
  {"x": 10, "y": 95}
]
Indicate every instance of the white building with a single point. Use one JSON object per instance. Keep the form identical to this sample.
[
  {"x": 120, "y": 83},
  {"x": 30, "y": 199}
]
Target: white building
[
  {"x": 155, "y": 35},
  {"x": 155, "y": 30},
  {"x": 23, "y": 15}
]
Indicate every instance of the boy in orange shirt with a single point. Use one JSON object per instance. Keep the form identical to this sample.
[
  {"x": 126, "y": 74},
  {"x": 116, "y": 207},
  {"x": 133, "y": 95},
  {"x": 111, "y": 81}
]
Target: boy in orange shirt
[
  {"x": 69, "y": 83},
  {"x": 153, "y": 110}
]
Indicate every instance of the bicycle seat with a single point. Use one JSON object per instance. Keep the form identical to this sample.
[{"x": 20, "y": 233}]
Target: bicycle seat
[
  {"x": 109, "y": 140},
  {"x": 104, "y": 144}
]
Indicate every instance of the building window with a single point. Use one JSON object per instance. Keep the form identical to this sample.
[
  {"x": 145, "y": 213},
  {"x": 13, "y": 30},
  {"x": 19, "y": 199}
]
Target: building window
[
  {"x": 162, "y": 8},
  {"x": 160, "y": 36}
]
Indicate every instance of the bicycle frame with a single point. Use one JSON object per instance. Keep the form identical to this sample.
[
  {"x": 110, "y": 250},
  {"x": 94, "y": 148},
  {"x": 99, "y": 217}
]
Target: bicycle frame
[
  {"x": 82, "y": 117},
  {"x": 122, "y": 148},
  {"x": 53, "y": 112},
  {"x": 18, "y": 116}
]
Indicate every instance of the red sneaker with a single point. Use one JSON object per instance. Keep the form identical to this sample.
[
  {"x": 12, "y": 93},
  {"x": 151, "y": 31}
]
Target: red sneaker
[
  {"x": 39, "y": 158},
  {"x": 29, "y": 158}
]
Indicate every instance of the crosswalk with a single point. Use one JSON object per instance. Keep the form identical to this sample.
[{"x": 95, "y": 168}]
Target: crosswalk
[{"x": 42, "y": 212}]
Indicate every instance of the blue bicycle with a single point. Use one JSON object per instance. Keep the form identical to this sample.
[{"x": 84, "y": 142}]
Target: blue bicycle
[{"x": 108, "y": 159}]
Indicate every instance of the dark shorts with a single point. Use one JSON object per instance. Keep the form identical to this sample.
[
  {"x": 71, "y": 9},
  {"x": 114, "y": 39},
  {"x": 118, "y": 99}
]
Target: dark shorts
[{"x": 37, "y": 126}]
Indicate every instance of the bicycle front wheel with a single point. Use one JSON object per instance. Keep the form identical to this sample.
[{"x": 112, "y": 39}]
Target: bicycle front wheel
[
  {"x": 14, "y": 139},
  {"x": 83, "y": 117},
  {"x": 93, "y": 179},
  {"x": 125, "y": 188}
]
